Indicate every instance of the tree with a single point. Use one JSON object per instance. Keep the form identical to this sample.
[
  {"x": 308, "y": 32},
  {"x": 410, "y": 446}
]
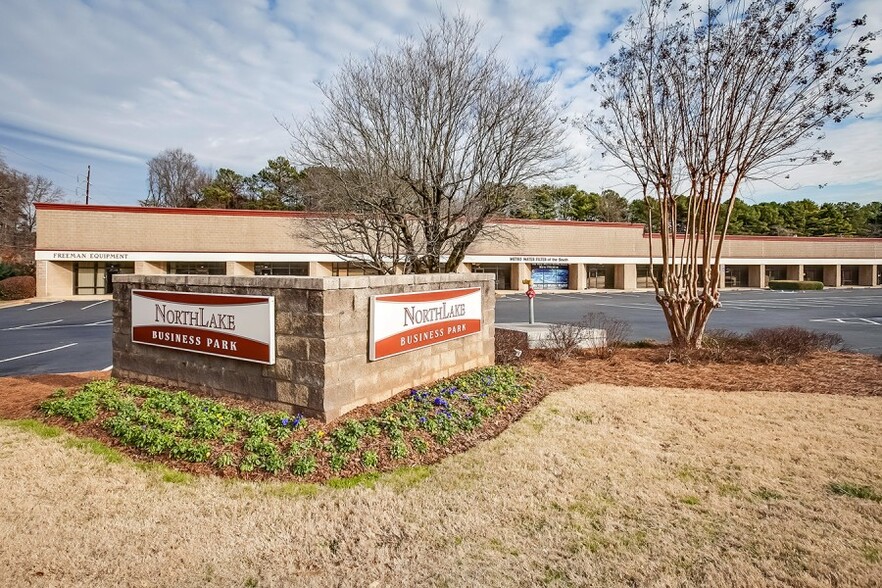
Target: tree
[
  {"x": 277, "y": 186},
  {"x": 226, "y": 190},
  {"x": 421, "y": 145},
  {"x": 697, "y": 101},
  {"x": 19, "y": 193},
  {"x": 611, "y": 207},
  {"x": 175, "y": 179}
]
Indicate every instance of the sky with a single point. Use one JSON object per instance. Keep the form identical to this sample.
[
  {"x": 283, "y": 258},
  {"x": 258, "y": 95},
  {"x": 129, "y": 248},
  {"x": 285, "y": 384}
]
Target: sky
[{"x": 112, "y": 83}]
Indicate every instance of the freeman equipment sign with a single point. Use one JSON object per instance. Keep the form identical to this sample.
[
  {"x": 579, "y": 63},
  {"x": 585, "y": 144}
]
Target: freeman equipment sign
[
  {"x": 405, "y": 322},
  {"x": 239, "y": 327}
]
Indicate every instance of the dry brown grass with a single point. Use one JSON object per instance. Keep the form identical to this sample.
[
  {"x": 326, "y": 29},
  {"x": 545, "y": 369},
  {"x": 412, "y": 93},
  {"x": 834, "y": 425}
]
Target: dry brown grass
[{"x": 599, "y": 485}]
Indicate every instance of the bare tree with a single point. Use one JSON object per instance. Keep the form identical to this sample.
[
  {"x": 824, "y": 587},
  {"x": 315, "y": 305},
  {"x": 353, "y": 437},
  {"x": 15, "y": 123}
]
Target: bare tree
[
  {"x": 175, "y": 179},
  {"x": 698, "y": 101},
  {"x": 421, "y": 145},
  {"x": 19, "y": 192}
]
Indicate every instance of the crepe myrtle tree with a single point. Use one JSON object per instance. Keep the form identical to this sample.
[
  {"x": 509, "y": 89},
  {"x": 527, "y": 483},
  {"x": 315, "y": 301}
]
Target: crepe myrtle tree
[
  {"x": 699, "y": 99},
  {"x": 413, "y": 149}
]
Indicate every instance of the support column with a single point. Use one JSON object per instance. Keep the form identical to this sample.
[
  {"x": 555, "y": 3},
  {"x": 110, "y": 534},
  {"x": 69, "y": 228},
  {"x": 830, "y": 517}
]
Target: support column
[
  {"x": 756, "y": 276},
  {"x": 54, "y": 279},
  {"x": 150, "y": 268},
  {"x": 239, "y": 268},
  {"x": 319, "y": 269},
  {"x": 519, "y": 273},
  {"x": 832, "y": 276},
  {"x": 625, "y": 276},
  {"x": 866, "y": 275},
  {"x": 578, "y": 276},
  {"x": 721, "y": 277},
  {"x": 794, "y": 272}
]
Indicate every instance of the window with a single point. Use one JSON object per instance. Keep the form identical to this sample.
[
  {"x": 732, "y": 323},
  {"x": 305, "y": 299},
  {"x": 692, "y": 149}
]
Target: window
[
  {"x": 601, "y": 276},
  {"x": 97, "y": 277},
  {"x": 349, "y": 268},
  {"x": 502, "y": 271},
  {"x": 202, "y": 268},
  {"x": 294, "y": 268},
  {"x": 643, "y": 278},
  {"x": 551, "y": 277}
]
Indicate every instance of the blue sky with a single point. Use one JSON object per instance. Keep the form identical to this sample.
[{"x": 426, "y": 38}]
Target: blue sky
[{"x": 111, "y": 83}]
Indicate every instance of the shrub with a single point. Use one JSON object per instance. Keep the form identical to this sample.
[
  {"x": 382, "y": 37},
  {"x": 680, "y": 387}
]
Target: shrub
[
  {"x": 789, "y": 344},
  {"x": 617, "y": 332},
  {"x": 18, "y": 288},
  {"x": 795, "y": 285},
  {"x": 564, "y": 339},
  {"x": 8, "y": 270}
]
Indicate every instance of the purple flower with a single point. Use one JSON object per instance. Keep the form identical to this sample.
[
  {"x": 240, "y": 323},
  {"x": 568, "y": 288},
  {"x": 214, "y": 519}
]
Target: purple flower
[
  {"x": 285, "y": 421},
  {"x": 297, "y": 420},
  {"x": 439, "y": 401},
  {"x": 423, "y": 419}
]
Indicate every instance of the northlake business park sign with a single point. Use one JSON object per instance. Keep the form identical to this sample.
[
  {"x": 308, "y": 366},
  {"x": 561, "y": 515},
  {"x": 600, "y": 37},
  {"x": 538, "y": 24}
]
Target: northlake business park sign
[{"x": 243, "y": 327}]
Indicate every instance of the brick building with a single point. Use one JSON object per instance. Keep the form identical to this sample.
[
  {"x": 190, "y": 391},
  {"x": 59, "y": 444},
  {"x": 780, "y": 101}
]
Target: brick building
[{"x": 79, "y": 248}]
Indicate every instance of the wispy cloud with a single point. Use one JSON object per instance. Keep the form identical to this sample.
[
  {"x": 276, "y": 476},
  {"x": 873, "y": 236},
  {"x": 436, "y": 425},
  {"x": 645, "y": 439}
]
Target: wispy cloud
[{"x": 113, "y": 82}]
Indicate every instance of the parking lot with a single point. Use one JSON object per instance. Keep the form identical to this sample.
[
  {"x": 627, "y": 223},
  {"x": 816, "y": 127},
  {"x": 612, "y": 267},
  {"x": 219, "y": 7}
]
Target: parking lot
[
  {"x": 55, "y": 337},
  {"x": 74, "y": 336},
  {"x": 856, "y": 314}
]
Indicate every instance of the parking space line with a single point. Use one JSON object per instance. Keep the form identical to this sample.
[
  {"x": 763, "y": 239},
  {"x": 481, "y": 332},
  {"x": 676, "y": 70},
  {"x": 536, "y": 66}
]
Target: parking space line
[
  {"x": 32, "y": 325},
  {"x": 44, "y": 306},
  {"x": 38, "y": 352},
  {"x": 108, "y": 368},
  {"x": 96, "y": 304}
]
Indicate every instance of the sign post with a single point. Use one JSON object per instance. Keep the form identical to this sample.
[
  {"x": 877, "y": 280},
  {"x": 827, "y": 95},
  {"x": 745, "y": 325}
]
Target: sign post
[{"x": 531, "y": 294}]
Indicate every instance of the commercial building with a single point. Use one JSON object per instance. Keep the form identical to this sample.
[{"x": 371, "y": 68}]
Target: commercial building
[{"x": 79, "y": 249}]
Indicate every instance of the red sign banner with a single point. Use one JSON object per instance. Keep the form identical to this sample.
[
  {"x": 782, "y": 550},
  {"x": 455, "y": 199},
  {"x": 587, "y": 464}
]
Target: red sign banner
[
  {"x": 405, "y": 322},
  {"x": 225, "y": 325}
]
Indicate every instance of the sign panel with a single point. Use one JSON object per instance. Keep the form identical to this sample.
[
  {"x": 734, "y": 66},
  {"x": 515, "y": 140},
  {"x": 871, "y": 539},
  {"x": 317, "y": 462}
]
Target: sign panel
[
  {"x": 404, "y": 322},
  {"x": 226, "y": 325}
]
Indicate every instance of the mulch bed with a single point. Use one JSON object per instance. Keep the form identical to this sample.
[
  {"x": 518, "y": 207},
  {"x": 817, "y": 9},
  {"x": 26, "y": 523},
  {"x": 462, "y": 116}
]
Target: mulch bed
[{"x": 826, "y": 373}]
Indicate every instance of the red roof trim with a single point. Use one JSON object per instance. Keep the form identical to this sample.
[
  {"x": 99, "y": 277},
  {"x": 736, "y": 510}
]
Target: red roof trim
[
  {"x": 184, "y": 211},
  {"x": 786, "y": 238}
]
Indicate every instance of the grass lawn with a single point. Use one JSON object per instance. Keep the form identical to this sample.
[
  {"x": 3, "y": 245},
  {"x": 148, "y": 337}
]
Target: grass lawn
[{"x": 599, "y": 485}]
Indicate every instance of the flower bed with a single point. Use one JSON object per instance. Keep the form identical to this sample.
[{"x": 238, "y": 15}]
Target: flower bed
[{"x": 183, "y": 428}]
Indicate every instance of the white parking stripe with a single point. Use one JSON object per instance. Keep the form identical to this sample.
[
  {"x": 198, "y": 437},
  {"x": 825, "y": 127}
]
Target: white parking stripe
[
  {"x": 32, "y": 325},
  {"x": 37, "y": 352},
  {"x": 108, "y": 368},
  {"x": 96, "y": 304},
  {"x": 44, "y": 306}
]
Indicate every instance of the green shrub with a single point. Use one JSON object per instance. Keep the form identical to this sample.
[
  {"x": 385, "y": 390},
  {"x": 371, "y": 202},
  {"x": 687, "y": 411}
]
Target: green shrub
[
  {"x": 18, "y": 288},
  {"x": 795, "y": 285}
]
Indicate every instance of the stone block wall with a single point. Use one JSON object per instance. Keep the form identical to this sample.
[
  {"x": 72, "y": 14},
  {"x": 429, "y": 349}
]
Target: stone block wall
[{"x": 322, "y": 338}]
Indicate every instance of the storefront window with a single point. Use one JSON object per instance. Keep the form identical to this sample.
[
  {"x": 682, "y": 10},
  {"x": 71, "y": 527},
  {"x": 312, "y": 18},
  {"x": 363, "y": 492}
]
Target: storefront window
[
  {"x": 551, "y": 277},
  {"x": 502, "y": 271},
  {"x": 97, "y": 277},
  {"x": 850, "y": 275},
  {"x": 203, "y": 268},
  {"x": 298, "y": 268},
  {"x": 601, "y": 276},
  {"x": 348, "y": 268}
]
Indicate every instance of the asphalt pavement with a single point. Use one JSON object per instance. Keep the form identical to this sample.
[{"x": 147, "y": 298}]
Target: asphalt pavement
[
  {"x": 855, "y": 314},
  {"x": 75, "y": 336},
  {"x": 55, "y": 337}
]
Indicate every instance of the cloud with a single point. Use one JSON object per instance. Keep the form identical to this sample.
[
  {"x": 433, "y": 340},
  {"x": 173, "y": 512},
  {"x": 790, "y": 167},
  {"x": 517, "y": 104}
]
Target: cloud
[{"x": 114, "y": 82}]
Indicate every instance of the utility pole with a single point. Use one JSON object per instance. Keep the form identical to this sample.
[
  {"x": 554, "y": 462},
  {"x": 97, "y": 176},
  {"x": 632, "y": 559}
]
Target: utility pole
[{"x": 88, "y": 175}]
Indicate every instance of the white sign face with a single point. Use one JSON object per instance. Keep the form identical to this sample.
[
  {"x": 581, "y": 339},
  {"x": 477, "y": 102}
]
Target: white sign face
[
  {"x": 226, "y": 325},
  {"x": 404, "y": 322}
]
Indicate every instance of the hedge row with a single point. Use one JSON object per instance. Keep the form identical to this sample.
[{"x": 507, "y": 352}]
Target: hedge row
[
  {"x": 795, "y": 285},
  {"x": 18, "y": 288}
]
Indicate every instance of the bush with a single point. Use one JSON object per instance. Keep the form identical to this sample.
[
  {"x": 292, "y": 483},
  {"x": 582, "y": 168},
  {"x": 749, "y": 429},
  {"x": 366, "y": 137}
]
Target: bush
[
  {"x": 18, "y": 288},
  {"x": 790, "y": 344},
  {"x": 565, "y": 338},
  {"x": 617, "y": 332},
  {"x": 9, "y": 270},
  {"x": 795, "y": 285}
]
